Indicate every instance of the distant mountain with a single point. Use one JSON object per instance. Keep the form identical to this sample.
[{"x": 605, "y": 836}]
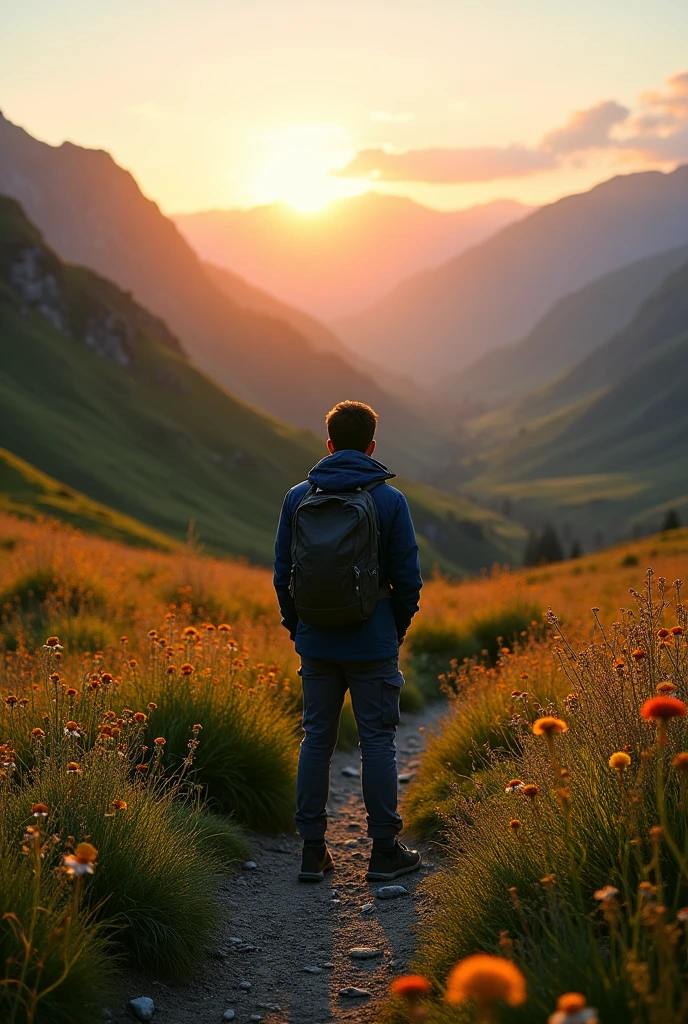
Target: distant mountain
[
  {"x": 607, "y": 450},
  {"x": 97, "y": 393},
  {"x": 443, "y": 320},
  {"x": 92, "y": 212},
  {"x": 339, "y": 260},
  {"x": 575, "y": 326}
]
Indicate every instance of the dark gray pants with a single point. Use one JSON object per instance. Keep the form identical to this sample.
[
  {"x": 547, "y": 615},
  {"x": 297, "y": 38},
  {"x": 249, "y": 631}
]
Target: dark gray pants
[{"x": 375, "y": 687}]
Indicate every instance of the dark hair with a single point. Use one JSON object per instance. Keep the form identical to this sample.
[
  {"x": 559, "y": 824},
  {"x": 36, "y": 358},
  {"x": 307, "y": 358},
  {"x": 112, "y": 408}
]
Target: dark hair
[{"x": 351, "y": 425}]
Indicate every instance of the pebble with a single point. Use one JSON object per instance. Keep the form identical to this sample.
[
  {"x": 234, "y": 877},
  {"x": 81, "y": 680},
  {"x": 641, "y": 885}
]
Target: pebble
[
  {"x": 228, "y": 1015},
  {"x": 406, "y": 777},
  {"x": 354, "y": 993},
  {"x": 351, "y": 842},
  {"x": 391, "y": 892},
  {"x": 350, "y": 773},
  {"x": 142, "y": 1007},
  {"x": 313, "y": 970},
  {"x": 249, "y": 865},
  {"x": 329, "y": 965},
  {"x": 367, "y": 908},
  {"x": 335, "y": 894},
  {"x": 245, "y": 986},
  {"x": 364, "y": 953}
]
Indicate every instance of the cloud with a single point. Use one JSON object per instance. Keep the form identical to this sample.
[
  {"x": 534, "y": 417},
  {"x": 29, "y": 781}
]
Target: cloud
[
  {"x": 448, "y": 166},
  {"x": 587, "y": 129},
  {"x": 387, "y": 116},
  {"x": 657, "y": 129}
]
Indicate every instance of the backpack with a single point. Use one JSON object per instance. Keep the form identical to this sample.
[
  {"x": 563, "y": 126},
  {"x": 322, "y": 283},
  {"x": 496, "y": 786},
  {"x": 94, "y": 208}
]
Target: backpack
[{"x": 335, "y": 575}]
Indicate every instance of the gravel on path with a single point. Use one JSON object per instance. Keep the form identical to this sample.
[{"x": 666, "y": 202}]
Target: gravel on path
[{"x": 284, "y": 952}]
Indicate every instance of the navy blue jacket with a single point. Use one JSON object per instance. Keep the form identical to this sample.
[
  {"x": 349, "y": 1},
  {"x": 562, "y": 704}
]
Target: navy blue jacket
[{"x": 379, "y": 636}]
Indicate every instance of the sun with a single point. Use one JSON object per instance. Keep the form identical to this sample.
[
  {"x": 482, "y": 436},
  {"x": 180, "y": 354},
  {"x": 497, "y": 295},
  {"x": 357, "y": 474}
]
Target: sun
[{"x": 295, "y": 167}]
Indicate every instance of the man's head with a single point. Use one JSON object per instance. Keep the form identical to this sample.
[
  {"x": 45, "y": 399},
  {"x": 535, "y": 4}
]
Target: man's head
[{"x": 351, "y": 425}]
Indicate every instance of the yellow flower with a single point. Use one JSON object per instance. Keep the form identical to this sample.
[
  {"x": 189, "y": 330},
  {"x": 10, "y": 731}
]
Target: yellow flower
[
  {"x": 549, "y": 726},
  {"x": 619, "y": 760},
  {"x": 486, "y": 980}
]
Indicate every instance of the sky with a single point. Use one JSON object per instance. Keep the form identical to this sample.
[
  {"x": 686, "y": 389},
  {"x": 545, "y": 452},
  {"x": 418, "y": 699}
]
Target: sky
[{"x": 221, "y": 103}]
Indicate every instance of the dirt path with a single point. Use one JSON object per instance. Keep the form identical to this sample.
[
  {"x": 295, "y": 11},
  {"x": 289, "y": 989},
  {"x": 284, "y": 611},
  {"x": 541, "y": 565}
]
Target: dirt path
[{"x": 276, "y": 928}]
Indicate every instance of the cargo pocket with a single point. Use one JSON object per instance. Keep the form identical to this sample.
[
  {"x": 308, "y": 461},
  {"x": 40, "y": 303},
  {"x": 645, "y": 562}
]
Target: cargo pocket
[{"x": 391, "y": 697}]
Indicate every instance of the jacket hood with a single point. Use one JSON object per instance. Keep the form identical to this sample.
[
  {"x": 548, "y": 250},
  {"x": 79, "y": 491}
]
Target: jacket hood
[{"x": 346, "y": 470}]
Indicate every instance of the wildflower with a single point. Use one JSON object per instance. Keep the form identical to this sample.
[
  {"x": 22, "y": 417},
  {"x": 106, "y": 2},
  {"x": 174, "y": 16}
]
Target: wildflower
[
  {"x": 73, "y": 767},
  {"x": 680, "y": 762},
  {"x": 548, "y": 881},
  {"x": 666, "y": 688},
  {"x": 119, "y": 805},
  {"x": 662, "y": 633},
  {"x": 677, "y": 630},
  {"x": 71, "y": 729},
  {"x": 196, "y": 728},
  {"x": 37, "y": 734},
  {"x": 514, "y": 825},
  {"x": 142, "y": 768},
  {"x": 106, "y": 678},
  {"x": 619, "y": 760},
  {"x": 53, "y": 644},
  {"x": 160, "y": 741},
  {"x": 224, "y": 628},
  {"x": 40, "y": 810},
  {"x": 660, "y": 710},
  {"x": 619, "y": 665},
  {"x": 124, "y": 639},
  {"x": 133, "y": 663},
  {"x": 153, "y": 633},
  {"x": 152, "y": 706},
  {"x": 515, "y": 694},
  {"x": 639, "y": 654},
  {"x": 170, "y": 670},
  {"x": 531, "y": 790},
  {"x": 186, "y": 669},
  {"x": 110, "y": 716},
  {"x": 606, "y": 893},
  {"x": 190, "y": 633},
  {"x": 549, "y": 726},
  {"x": 487, "y": 980},
  {"x": 11, "y": 700},
  {"x": 71, "y": 692},
  {"x": 54, "y": 677},
  {"x": 410, "y": 987},
  {"x": 682, "y": 915},
  {"x": 514, "y": 786},
  {"x": 82, "y": 861},
  {"x": 140, "y": 718},
  {"x": 572, "y": 1009},
  {"x": 105, "y": 730}
]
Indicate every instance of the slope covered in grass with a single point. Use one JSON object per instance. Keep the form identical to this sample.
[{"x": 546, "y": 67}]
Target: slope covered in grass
[{"x": 97, "y": 393}]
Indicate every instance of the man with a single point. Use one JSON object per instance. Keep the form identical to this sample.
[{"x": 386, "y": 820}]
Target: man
[{"x": 361, "y": 656}]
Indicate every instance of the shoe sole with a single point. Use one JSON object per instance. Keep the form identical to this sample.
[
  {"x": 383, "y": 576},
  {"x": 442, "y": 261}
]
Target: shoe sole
[
  {"x": 389, "y": 876},
  {"x": 315, "y": 876}
]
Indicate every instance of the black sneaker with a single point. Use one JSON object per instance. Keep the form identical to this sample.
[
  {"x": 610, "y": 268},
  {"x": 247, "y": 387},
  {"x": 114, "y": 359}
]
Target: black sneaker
[
  {"x": 315, "y": 861},
  {"x": 385, "y": 867}
]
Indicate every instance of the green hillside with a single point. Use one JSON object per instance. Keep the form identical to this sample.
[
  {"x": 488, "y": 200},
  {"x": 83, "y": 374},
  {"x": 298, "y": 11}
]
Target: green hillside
[
  {"x": 611, "y": 454},
  {"x": 575, "y": 326},
  {"x": 97, "y": 393}
]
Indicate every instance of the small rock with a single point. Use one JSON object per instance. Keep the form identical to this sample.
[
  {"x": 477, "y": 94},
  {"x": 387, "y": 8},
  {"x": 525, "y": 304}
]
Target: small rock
[
  {"x": 228, "y": 1015},
  {"x": 335, "y": 894},
  {"x": 357, "y": 856},
  {"x": 367, "y": 908},
  {"x": 329, "y": 965},
  {"x": 351, "y": 842},
  {"x": 350, "y": 773},
  {"x": 313, "y": 970},
  {"x": 143, "y": 1008},
  {"x": 391, "y": 892},
  {"x": 354, "y": 993},
  {"x": 245, "y": 986},
  {"x": 364, "y": 953},
  {"x": 406, "y": 777},
  {"x": 249, "y": 865},
  {"x": 272, "y": 1007},
  {"x": 234, "y": 940}
]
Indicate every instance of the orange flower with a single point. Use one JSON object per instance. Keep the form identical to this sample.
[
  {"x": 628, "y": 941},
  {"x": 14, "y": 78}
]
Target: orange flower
[
  {"x": 487, "y": 980},
  {"x": 677, "y": 630},
  {"x": 187, "y": 669},
  {"x": 662, "y": 708},
  {"x": 71, "y": 692},
  {"x": 514, "y": 825},
  {"x": 570, "y": 1002},
  {"x": 40, "y": 810},
  {"x": 639, "y": 654},
  {"x": 662, "y": 633},
  {"x": 11, "y": 700},
  {"x": 410, "y": 987},
  {"x": 52, "y": 641},
  {"x": 140, "y": 717},
  {"x": 531, "y": 790},
  {"x": 224, "y": 628},
  {"x": 73, "y": 767},
  {"x": 665, "y": 688},
  {"x": 549, "y": 726},
  {"x": 54, "y": 677},
  {"x": 82, "y": 861},
  {"x": 680, "y": 762},
  {"x": 106, "y": 678},
  {"x": 160, "y": 741},
  {"x": 142, "y": 768},
  {"x": 514, "y": 786},
  {"x": 152, "y": 706},
  {"x": 71, "y": 729},
  {"x": 119, "y": 805},
  {"x": 37, "y": 734}
]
